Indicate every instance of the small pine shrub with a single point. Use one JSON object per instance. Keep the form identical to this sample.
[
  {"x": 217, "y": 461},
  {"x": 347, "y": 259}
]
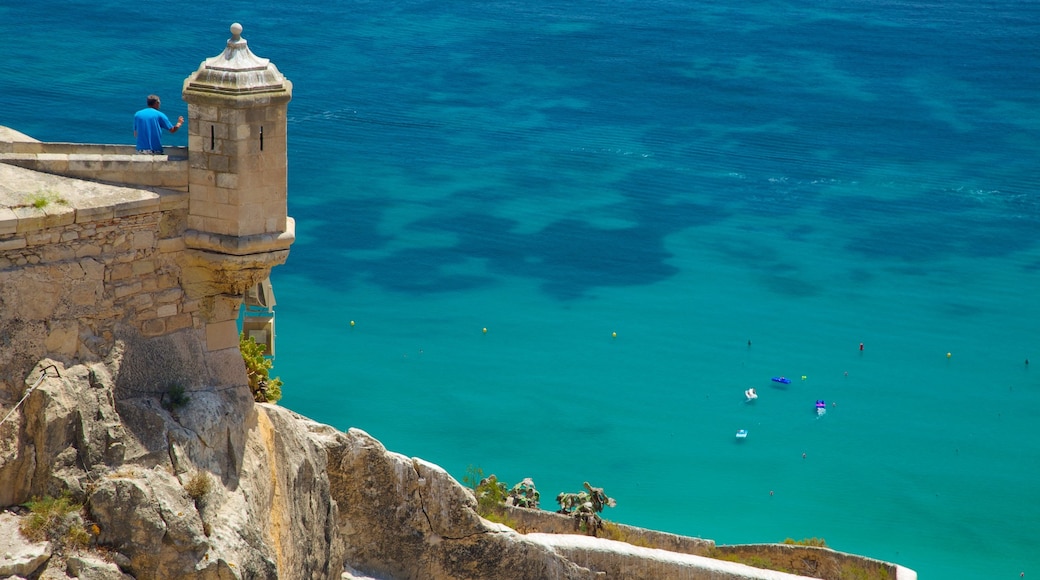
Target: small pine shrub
[
  {"x": 474, "y": 475},
  {"x": 491, "y": 493},
  {"x": 174, "y": 398}
]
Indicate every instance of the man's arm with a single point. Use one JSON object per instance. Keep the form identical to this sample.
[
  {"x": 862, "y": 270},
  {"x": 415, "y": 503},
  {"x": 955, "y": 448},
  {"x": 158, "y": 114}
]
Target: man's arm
[{"x": 180, "y": 121}]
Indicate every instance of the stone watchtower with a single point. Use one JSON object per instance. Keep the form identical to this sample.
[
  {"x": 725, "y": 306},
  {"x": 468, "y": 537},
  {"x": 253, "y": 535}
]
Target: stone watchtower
[{"x": 237, "y": 225}]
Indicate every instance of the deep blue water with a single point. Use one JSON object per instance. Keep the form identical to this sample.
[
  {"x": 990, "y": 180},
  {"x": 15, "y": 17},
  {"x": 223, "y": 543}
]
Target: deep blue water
[{"x": 688, "y": 175}]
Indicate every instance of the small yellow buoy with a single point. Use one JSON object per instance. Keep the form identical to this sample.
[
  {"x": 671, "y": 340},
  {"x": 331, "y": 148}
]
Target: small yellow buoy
[
  {"x": 948, "y": 355},
  {"x": 613, "y": 335},
  {"x": 352, "y": 323},
  {"x": 803, "y": 377},
  {"x": 485, "y": 330}
]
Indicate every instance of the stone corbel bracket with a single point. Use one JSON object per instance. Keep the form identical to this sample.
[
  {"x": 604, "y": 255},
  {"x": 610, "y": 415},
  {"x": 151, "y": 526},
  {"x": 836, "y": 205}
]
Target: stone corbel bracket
[{"x": 218, "y": 264}]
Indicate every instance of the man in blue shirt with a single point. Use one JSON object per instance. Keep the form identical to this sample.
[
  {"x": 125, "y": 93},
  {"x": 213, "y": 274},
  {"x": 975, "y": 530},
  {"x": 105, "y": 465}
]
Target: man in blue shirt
[{"x": 149, "y": 124}]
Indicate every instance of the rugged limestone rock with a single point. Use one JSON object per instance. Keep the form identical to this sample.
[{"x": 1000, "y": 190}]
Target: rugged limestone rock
[
  {"x": 90, "y": 568},
  {"x": 127, "y": 454},
  {"x": 18, "y": 556},
  {"x": 277, "y": 483},
  {"x": 406, "y": 518}
]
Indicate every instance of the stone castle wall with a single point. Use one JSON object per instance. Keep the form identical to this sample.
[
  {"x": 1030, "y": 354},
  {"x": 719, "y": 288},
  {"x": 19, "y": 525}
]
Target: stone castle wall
[
  {"x": 84, "y": 263},
  {"x": 70, "y": 276}
]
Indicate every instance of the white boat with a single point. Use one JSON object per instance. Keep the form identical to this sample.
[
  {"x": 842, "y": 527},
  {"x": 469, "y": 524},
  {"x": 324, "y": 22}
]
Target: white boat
[
  {"x": 742, "y": 434},
  {"x": 751, "y": 394}
]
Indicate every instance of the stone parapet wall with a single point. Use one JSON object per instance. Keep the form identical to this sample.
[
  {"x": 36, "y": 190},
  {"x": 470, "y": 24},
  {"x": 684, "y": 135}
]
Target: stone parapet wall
[
  {"x": 106, "y": 163},
  {"x": 818, "y": 562},
  {"x": 31, "y": 146},
  {"x": 542, "y": 521},
  {"x": 613, "y": 559},
  {"x": 801, "y": 561}
]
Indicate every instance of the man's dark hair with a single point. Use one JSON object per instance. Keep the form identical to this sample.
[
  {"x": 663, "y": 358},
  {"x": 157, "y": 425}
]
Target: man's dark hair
[{"x": 153, "y": 100}]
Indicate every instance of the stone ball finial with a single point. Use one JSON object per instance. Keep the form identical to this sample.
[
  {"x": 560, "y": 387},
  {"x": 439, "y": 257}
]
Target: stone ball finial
[{"x": 236, "y": 30}]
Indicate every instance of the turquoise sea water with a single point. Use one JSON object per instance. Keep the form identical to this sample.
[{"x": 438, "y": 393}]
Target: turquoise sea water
[{"x": 688, "y": 175}]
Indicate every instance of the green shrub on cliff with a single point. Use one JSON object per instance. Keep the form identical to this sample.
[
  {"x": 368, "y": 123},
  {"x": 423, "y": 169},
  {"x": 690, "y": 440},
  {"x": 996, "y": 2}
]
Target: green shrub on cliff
[
  {"x": 174, "y": 398},
  {"x": 491, "y": 493},
  {"x": 57, "y": 520},
  {"x": 258, "y": 368},
  {"x": 491, "y": 496}
]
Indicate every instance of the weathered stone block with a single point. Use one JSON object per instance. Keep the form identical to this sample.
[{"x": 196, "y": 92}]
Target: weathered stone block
[
  {"x": 153, "y": 327},
  {"x": 170, "y": 245},
  {"x": 87, "y": 567},
  {"x": 121, "y": 272},
  {"x": 141, "y": 302},
  {"x": 29, "y": 219},
  {"x": 12, "y": 244},
  {"x": 149, "y": 283},
  {"x": 20, "y": 557},
  {"x": 124, "y": 290},
  {"x": 58, "y": 253},
  {"x": 228, "y": 182},
  {"x": 142, "y": 267},
  {"x": 169, "y": 295},
  {"x": 208, "y": 113},
  {"x": 138, "y": 206},
  {"x": 31, "y": 298},
  {"x": 167, "y": 280},
  {"x": 92, "y": 269},
  {"x": 221, "y": 335},
  {"x": 179, "y": 321},
  {"x": 84, "y": 293},
  {"x": 218, "y": 164},
  {"x": 40, "y": 238},
  {"x": 84, "y": 251},
  {"x": 143, "y": 240},
  {"x": 89, "y": 214},
  {"x": 8, "y": 221},
  {"x": 63, "y": 338}
]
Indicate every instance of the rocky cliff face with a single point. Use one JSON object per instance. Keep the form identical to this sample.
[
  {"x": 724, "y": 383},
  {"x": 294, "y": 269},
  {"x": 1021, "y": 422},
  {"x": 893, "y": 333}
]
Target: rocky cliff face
[{"x": 287, "y": 497}]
